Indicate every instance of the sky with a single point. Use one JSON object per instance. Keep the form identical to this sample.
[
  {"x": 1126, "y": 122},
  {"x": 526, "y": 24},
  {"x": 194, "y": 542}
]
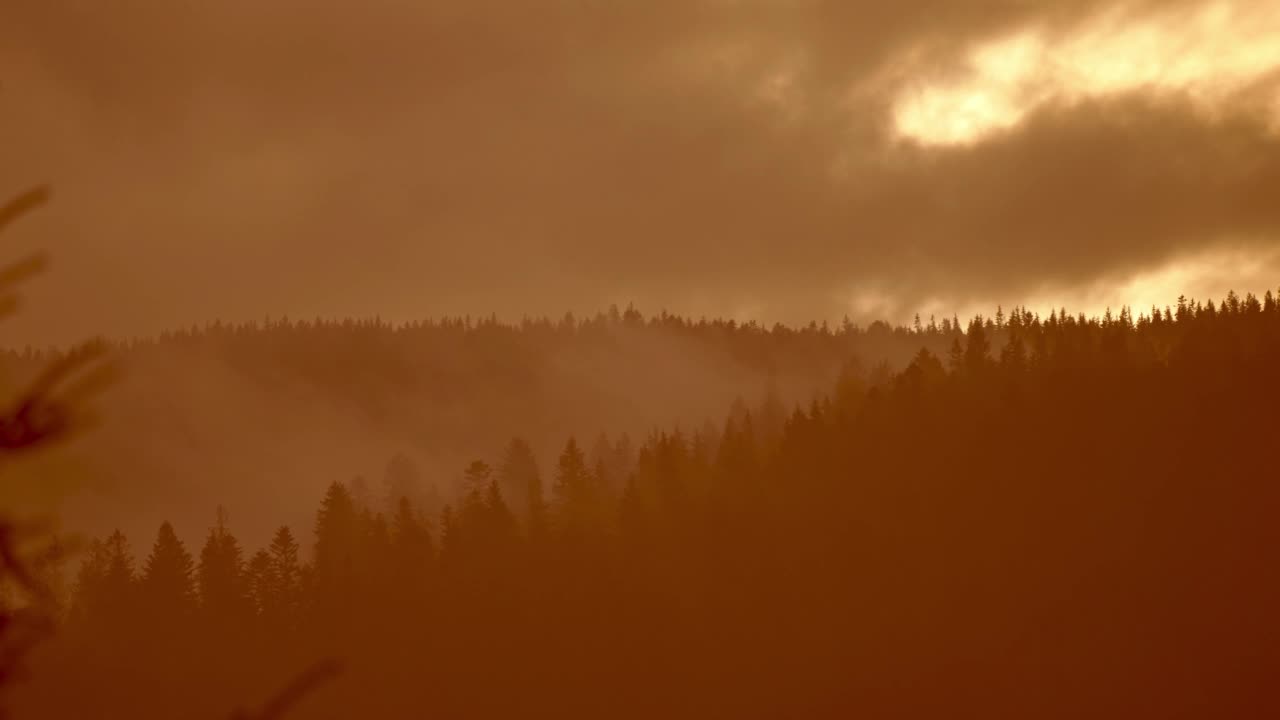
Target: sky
[{"x": 780, "y": 160}]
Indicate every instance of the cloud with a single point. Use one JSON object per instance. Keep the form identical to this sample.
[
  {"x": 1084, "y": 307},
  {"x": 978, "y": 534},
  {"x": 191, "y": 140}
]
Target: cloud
[
  {"x": 1207, "y": 53},
  {"x": 408, "y": 159}
]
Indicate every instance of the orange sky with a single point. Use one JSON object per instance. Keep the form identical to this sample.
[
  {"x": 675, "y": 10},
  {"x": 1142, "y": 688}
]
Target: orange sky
[{"x": 776, "y": 159}]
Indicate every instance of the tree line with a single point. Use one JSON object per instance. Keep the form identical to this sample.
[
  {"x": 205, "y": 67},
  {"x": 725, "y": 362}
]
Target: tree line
[{"x": 1052, "y": 516}]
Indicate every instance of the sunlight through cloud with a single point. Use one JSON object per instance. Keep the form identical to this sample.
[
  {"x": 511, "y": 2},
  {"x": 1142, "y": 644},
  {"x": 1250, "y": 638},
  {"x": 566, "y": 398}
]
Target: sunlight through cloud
[
  {"x": 1204, "y": 275},
  {"x": 1206, "y": 53}
]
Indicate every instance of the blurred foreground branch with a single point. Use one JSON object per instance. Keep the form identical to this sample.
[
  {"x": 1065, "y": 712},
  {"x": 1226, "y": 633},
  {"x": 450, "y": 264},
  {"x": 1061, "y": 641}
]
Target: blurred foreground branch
[
  {"x": 22, "y": 204},
  {"x": 30, "y": 266},
  {"x": 304, "y": 684},
  {"x": 46, "y": 411},
  {"x": 50, "y": 408}
]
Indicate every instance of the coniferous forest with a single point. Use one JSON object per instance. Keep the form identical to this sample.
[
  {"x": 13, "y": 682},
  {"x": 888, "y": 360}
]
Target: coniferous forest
[
  {"x": 1027, "y": 517},
  {"x": 209, "y": 415},
  {"x": 640, "y": 360}
]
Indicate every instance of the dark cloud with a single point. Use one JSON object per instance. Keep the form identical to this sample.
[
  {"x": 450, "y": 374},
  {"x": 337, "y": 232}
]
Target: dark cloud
[{"x": 237, "y": 159}]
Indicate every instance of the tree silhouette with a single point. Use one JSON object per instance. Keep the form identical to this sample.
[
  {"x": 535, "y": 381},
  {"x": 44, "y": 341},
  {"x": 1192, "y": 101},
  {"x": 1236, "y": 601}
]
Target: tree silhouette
[
  {"x": 338, "y": 537},
  {"x": 167, "y": 589},
  {"x": 989, "y": 538},
  {"x": 263, "y": 584},
  {"x": 519, "y": 478},
  {"x": 286, "y": 577},
  {"x": 224, "y": 596},
  {"x": 573, "y": 491}
]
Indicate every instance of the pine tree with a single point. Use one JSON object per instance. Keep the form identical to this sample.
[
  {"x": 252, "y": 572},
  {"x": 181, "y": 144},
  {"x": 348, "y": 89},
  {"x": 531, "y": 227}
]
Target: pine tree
[
  {"x": 286, "y": 572},
  {"x": 955, "y": 358},
  {"x": 1013, "y": 357},
  {"x": 335, "y": 529},
  {"x": 374, "y": 564},
  {"x": 262, "y": 585},
  {"x": 521, "y": 481},
  {"x": 600, "y": 457},
  {"x": 501, "y": 522},
  {"x": 736, "y": 466},
  {"x": 167, "y": 587},
  {"x": 977, "y": 348},
  {"x": 475, "y": 478},
  {"x": 87, "y": 591},
  {"x": 571, "y": 489},
  {"x": 337, "y": 546},
  {"x": 472, "y": 518},
  {"x": 119, "y": 580},
  {"x": 105, "y": 591},
  {"x": 671, "y": 466},
  {"x": 925, "y": 370},
  {"x": 223, "y": 595}
]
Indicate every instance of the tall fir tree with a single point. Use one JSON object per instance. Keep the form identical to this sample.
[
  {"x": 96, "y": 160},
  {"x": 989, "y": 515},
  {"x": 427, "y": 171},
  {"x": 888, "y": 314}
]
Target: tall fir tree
[
  {"x": 167, "y": 589},
  {"x": 262, "y": 586},
  {"x": 572, "y": 490},
  {"x": 220, "y": 575},
  {"x": 337, "y": 547},
  {"x": 286, "y": 572},
  {"x": 522, "y": 482}
]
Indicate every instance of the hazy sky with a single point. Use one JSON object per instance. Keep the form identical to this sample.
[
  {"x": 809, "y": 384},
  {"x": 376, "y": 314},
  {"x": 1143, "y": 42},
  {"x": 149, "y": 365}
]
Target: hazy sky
[{"x": 779, "y": 159}]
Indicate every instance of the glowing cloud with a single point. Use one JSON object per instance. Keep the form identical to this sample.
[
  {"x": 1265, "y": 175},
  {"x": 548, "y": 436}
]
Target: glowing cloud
[
  {"x": 1201, "y": 275},
  {"x": 1207, "y": 54}
]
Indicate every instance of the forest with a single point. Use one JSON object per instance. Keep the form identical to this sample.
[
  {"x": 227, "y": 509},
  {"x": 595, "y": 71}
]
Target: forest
[
  {"x": 625, "y": 360},
  {"x": 209, "y": 415},
  {"x": 1023, "y": 517}
]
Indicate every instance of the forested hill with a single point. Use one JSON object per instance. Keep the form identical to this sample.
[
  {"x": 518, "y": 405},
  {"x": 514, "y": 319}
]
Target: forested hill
[
  {"x": 1055, "y": 518},
  {"x": 254, "y": 417}
]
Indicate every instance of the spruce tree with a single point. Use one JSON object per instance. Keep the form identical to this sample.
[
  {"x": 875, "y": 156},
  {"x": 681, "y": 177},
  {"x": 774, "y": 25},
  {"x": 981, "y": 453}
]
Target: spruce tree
[
  {"x": 167, "y": 588},
  {"x": 977, "y": 348},
  {"x": 336, "y": 533},
  {"x": 522, "y": 482},
  {"x": 87, "y": 591},
  {"x": 475, "y": 478},
  {"x": 263, "y": 587},
  {"x": 120, "y": 580},
  {"x": 223, "y": 595},
  {"x": 500, "y": 521},
  {"x": 286, "y": 572},
  {"x": 571, "y": 489}
]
